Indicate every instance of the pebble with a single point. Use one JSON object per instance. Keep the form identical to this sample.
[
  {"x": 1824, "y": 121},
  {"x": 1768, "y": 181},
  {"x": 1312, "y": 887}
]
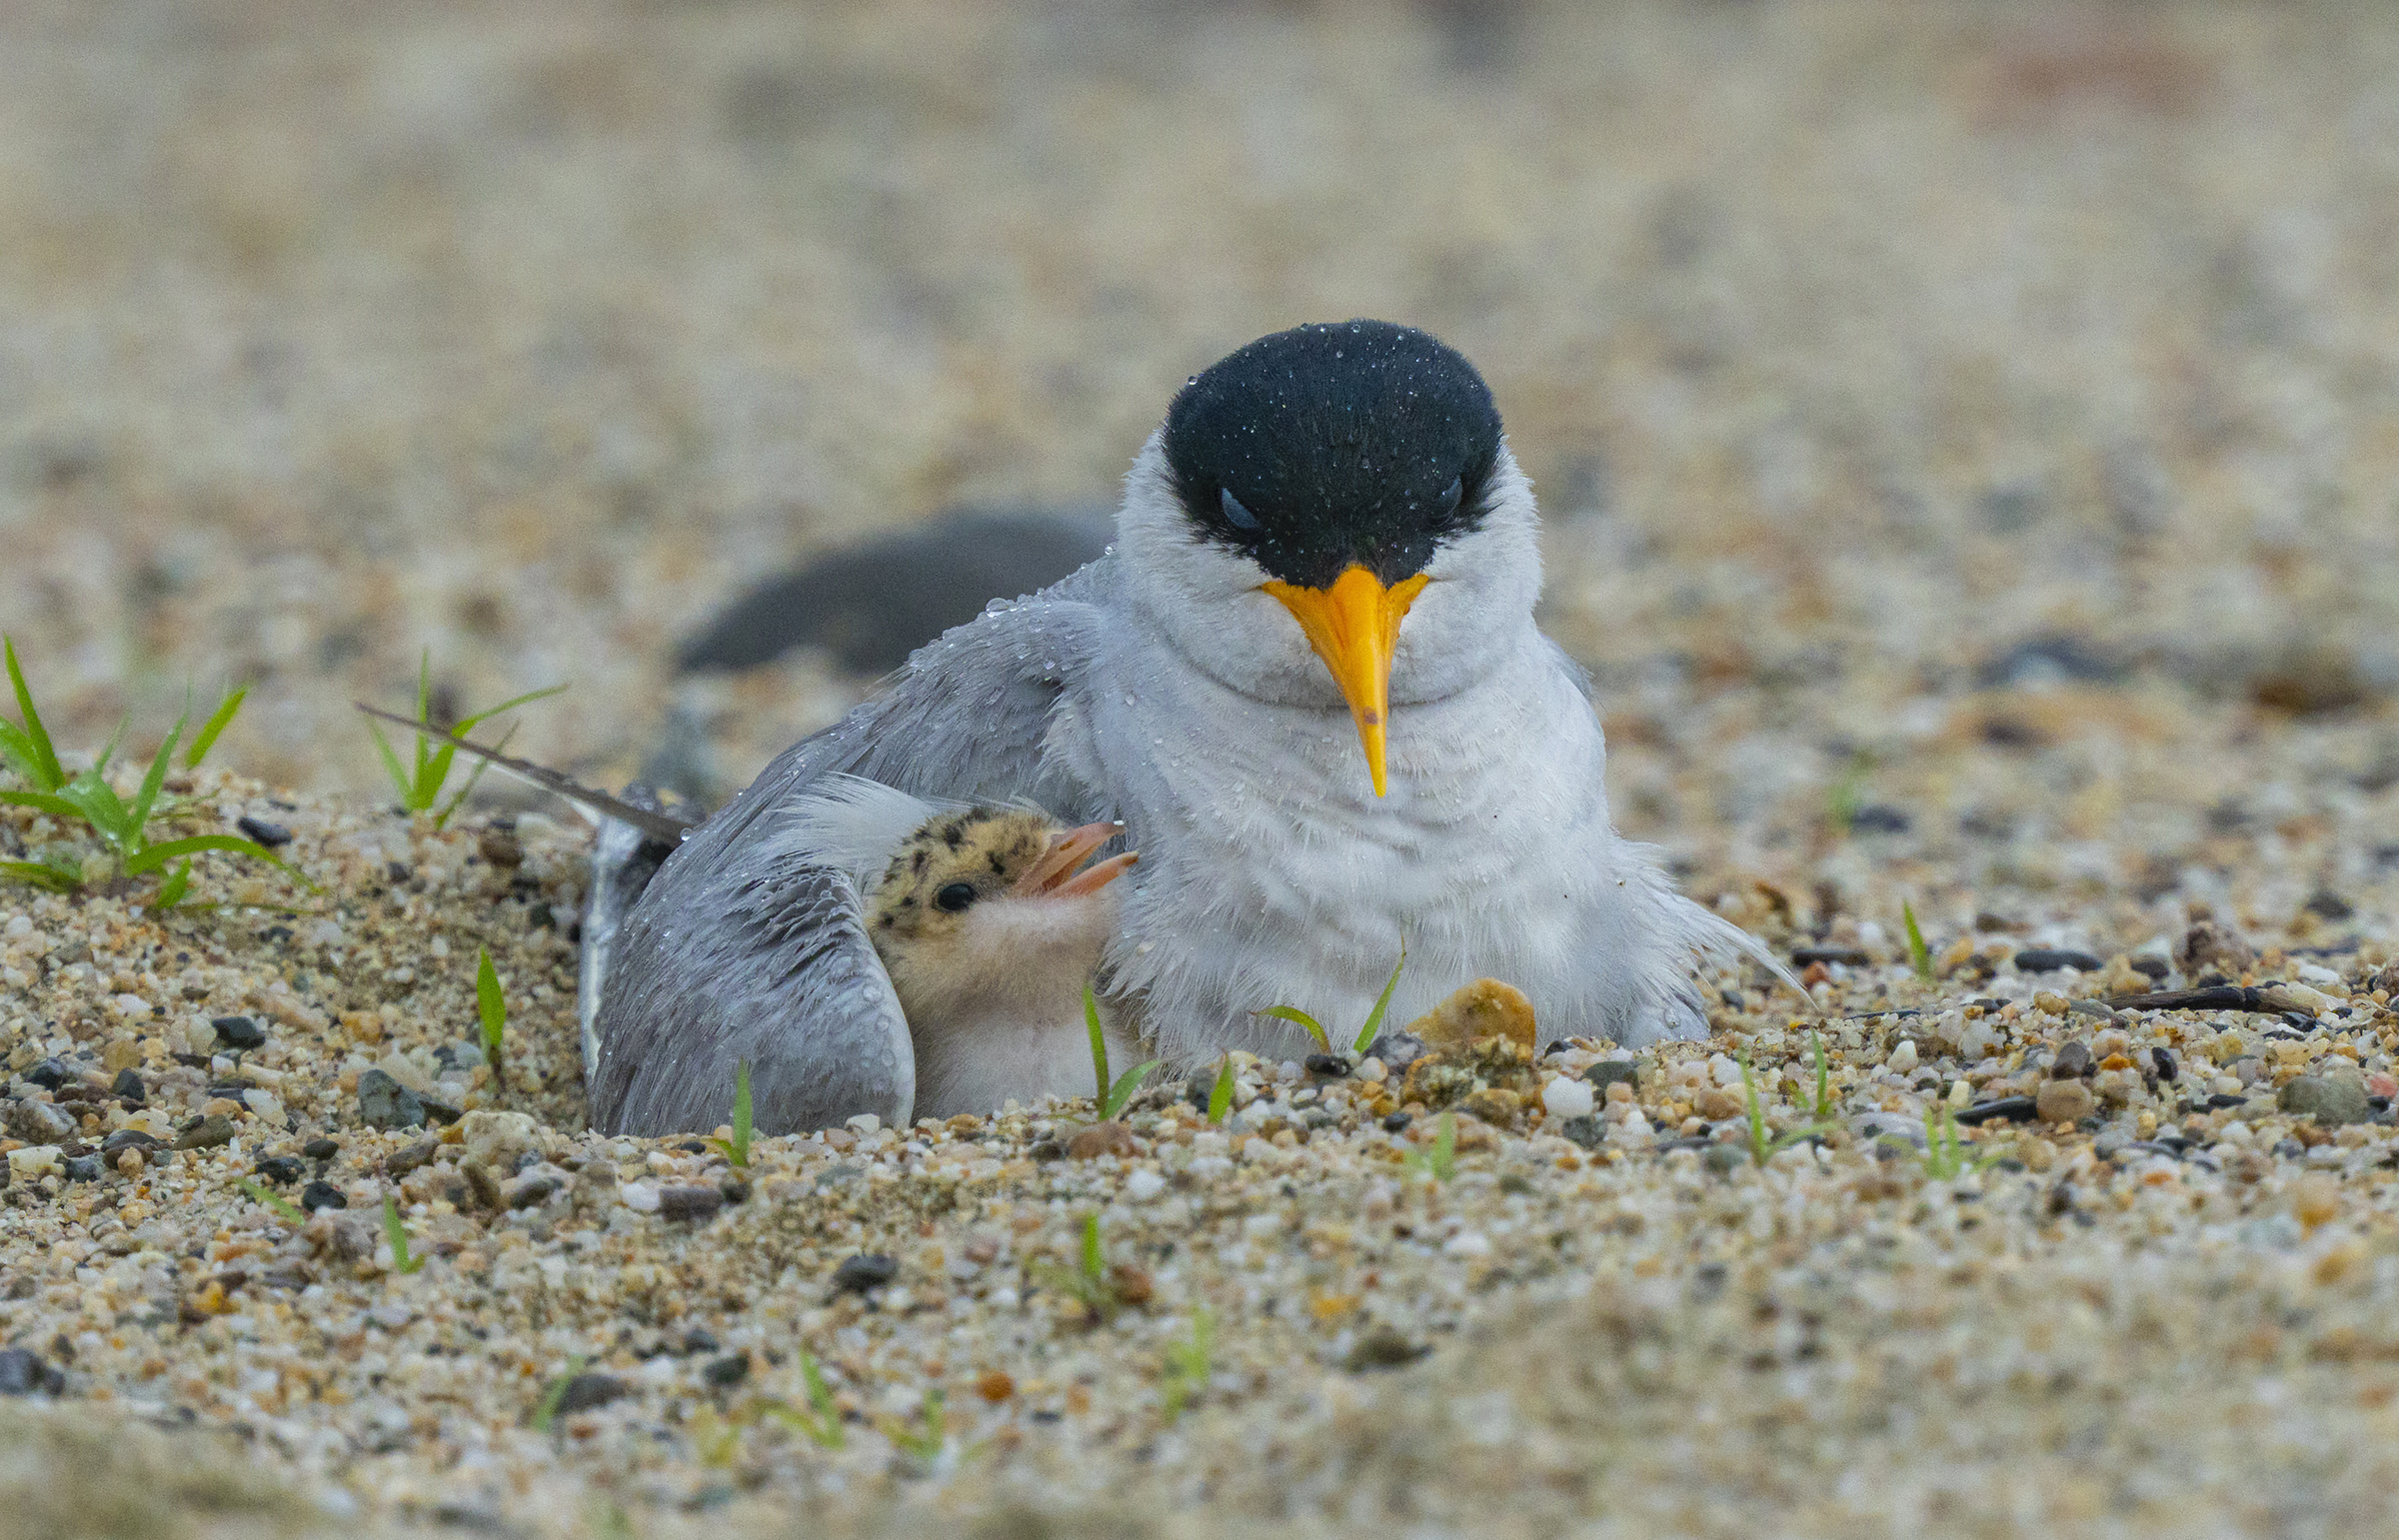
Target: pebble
[
  {"x": 587, "y": 1393},
  {"x": 239, "y": 1033},
  {"x": 1143, "y": 1184},
  {"x": 2329, "y": 1099},
  {"x": 23, "y": 1373},
  {"x": 40, "y": 1122},
  {"x": 1092, "y": 1140},
  {"x": 1565, "y": 1099},
  {"x": 2048, "y": 960},
  {"x": 2064, "y": 1101},
  {"x": 383, "y": 1102},
  {"x": 685, "y": 1203},
  {"x": 1903, "y": 1059},
  {"x": 207, "y": 1133},
  {"x": 863, "y": 1272},
  {"x": 273, "y": 836}
]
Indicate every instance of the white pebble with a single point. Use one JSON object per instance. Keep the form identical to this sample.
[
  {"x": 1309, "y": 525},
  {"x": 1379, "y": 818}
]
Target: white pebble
[
  {"x": 1565, "y": 1097},
  {"x": 1143, "y": 1184},
  {"x": 641, "y": 1197},
  {"x": 1726, "y": 1072},
  {"x": 866, "y": 1122},
  {"x": 1902, "y": 1059},
  {"x": 1468, "y": 1244}
]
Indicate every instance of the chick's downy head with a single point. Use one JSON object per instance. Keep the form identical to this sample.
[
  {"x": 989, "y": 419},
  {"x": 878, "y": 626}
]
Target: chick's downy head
[{"x": 985, "y": 904}]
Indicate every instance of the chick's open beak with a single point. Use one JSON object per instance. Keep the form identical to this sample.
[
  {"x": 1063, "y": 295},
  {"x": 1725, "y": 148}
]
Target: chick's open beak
[
  {"x": 1053, "y": 876},
  {"x": 1355, "y": 625}
]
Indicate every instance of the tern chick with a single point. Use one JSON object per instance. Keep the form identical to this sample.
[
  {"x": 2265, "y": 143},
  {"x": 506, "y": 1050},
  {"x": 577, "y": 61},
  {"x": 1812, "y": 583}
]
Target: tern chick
[{"x": 990, "y": 927}]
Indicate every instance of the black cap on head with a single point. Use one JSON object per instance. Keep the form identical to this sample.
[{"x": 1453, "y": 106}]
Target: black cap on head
[{"x": 1359, "y": 441}]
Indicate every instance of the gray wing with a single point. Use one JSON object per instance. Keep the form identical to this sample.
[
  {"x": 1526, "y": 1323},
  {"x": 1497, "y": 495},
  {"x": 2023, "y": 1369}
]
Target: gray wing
[
  {"x": 707, "y": 970},
  {"x": 783, "y": 980}
]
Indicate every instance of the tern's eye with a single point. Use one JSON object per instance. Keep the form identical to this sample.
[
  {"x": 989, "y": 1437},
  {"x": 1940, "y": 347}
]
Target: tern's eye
[
  {"x": 1235, "y": 515},
  {"x": 955, "y": 897}
]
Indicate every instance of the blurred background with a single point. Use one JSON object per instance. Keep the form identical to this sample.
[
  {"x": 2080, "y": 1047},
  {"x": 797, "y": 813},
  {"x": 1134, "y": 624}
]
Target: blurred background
[{"x": 2017, "y": 376}]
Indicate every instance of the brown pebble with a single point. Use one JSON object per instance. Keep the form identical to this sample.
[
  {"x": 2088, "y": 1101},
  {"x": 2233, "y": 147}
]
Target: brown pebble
[
  {"x": 501, "y": 848},
  {"x": 2074, "y": 1059},
  {"x": 1485, "y": 1008},
  {"x": 693, "y": 1203},
  {"x": 1716, "y": 1105},
  {"x": 1097, "y": 1139},
  {"x": 412, "y": 1157},
  {"x": 208, "y": 1134},
  {"x": 485, "y": 1185},
  {"x": 995, "y": 1385},
  {"x": 2064, "y": 1101}
]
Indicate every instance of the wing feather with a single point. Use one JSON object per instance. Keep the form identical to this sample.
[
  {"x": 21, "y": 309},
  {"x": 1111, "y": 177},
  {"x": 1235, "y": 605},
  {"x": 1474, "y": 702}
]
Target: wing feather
[{"x": 737, "y": 952}]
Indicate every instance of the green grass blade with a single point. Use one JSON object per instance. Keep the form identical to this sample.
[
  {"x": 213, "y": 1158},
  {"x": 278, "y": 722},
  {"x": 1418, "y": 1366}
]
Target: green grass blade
[
  {"x": 1094, "y": 1263},
  {"x": 1919, "y": 956},
  {"x": 401, "y": 785},
  {"x": 1365, "y": 1035},
  {"x": 741, "y": 1116},
  {"x": 218, "y": 721},
  {"x": 490, "y": 1005},
  {"x": 152, "y": 858},
  {"x": 1823, "y": 1108},
  {"x": 45, "y": 801},
  {"x": 39, "y": 875},
  {"x": 1126, "y": 1084},
  {"x": 1314, "y": 1028},
  {"x": 47, "y": 775},
  {"x": 171, "y": 892},
  {"x": 397, "y": 1233},
  {"x": 1760, "y": 1145},
  {"x": 545, "y": 1412},
  {"x": 737, "y": 1148},
  {"x": 276, "y": 1201},
  {"x": 154, "y": 781},
  {"x": 1091, "y": 1023},
  {"x": 464, "y": 724},
  {"x": 103, "y": 810},
  {"x": 17, "y": 749},
  {"x": 1219, "y": 1096},
  {"x": 108, "y": 750}
]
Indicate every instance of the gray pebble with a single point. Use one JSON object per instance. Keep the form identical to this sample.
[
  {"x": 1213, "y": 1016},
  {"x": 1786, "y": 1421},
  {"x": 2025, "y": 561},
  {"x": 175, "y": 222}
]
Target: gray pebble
[
  {"x": 383, "y": 1102},
  {"x": 1588, "y": 1130},
  {"x": 40, "y": 1122},
  {"x": 2331, "y": 1099},
  {"x": 690, "y": 1203},
  {"x": 1724, "y": 1159},
  {"x": 22, "y": 1372},
  {"x": 858, "y": 1274}
]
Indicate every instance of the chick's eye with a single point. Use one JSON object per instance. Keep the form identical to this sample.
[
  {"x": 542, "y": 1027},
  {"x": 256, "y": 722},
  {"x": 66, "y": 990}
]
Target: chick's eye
[
  {"x": 1235, "y": 515},
  {"x": 954, "y": 897}
]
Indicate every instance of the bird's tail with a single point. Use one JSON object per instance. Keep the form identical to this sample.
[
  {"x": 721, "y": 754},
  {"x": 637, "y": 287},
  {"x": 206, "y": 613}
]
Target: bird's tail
[
  {"x": 624, "y": 860},
  {"x": 1707, "y": 939}
]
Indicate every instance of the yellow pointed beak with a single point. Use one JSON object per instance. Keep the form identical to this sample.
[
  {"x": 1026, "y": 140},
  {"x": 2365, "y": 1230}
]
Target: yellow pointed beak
[{"x": 1353, "y": 626}]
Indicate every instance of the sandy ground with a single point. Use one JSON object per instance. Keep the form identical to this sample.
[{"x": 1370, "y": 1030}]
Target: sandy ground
[{"x": 1969, "y": 436}]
